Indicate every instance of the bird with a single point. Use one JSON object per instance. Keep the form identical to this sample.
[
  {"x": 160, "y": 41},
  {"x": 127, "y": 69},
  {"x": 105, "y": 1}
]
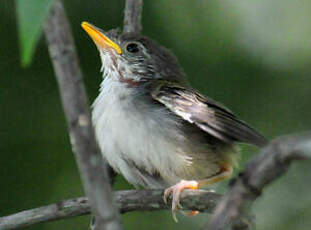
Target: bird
[{"x": 155, "y": 129}]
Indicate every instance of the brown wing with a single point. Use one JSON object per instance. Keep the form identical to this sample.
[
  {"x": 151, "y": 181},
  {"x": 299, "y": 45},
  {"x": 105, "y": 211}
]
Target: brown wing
[{"x": 207, "y": 114}]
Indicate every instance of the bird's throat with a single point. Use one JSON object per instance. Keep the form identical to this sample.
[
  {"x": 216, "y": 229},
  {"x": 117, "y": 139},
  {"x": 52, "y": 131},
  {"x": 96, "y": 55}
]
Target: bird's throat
[{"x": 114, "y": 69}]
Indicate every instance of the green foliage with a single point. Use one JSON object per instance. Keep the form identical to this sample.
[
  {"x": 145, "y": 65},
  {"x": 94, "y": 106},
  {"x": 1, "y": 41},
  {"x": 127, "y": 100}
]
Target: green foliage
[{"x": 31, "y": 15}]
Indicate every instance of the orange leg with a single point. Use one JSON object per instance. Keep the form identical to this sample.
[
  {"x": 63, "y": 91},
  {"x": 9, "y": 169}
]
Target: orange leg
[{"x": 177, "y": 189}]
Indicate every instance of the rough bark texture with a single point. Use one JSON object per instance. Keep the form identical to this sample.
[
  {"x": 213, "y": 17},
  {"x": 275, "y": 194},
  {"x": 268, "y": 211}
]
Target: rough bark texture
[
  {"x": 272, "y": 162},
  {"x": 92, "y": 167},
  {"x": 132, "y": 16},
  {"x": 127, "y": 201}
]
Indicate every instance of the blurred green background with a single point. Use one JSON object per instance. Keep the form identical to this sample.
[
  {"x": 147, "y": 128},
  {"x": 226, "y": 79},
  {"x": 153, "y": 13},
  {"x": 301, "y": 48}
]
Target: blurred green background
[{"x": 252, "y": 56}]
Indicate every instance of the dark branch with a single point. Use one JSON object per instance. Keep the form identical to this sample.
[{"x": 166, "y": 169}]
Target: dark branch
[
  {"x": 127, "y": 201},
  {"x": 271, "y": 163},
  {"x": 132, "y": 16},
  {"x": 92, "y": 167}
]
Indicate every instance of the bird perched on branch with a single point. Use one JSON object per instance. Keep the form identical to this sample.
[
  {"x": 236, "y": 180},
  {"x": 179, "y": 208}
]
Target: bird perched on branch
[{"x": 154, "y": 129}]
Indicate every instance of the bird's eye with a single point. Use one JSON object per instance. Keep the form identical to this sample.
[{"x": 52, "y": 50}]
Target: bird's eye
[{"x": 132, "y": 48}]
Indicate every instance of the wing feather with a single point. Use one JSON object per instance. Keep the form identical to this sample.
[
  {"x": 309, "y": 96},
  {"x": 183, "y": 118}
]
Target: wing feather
[{"x": 207, "y": 114}]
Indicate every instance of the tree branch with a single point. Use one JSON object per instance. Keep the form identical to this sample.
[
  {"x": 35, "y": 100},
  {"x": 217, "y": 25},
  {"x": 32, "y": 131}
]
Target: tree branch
[
  {"x": 127, "y": 201},
  {"x": 92, "y": 167},
  {"x": 271, "y": 163},
  {"x": 132, "y": 16}
]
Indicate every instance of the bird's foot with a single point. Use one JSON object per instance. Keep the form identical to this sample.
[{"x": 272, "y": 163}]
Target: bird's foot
[
  {"x": 176, "y": 190},
  {"x": 190, "y": 213}
]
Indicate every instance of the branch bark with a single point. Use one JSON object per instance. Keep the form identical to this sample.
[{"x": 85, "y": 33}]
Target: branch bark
[
  {"x": 127, "y": 201},
  {"x": 132, "y": 16},
  {"x": 271, "y": 163},
  {"x": 92, "y": 167}
]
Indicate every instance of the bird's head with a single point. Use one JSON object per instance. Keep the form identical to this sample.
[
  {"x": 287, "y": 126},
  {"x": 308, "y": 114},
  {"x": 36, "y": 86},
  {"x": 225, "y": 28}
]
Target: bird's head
[{"x": 133, "y": 58}]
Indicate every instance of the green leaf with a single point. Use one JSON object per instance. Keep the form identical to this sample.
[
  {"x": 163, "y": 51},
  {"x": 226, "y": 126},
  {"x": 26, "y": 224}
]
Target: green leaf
[{"x": 31, "y": 15}]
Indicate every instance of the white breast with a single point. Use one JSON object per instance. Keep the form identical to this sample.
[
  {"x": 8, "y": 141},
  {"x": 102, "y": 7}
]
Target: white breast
[{"x": 128, "y": 131}]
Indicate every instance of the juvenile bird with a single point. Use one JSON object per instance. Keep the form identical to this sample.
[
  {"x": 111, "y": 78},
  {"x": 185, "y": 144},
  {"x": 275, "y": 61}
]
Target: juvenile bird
[{"x": 152, "y": 127}]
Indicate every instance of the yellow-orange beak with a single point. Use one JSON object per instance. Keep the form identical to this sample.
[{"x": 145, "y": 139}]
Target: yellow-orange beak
[{"x": 99, "y": 38}]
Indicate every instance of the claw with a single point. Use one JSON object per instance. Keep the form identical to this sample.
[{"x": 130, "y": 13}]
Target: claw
[
  {"x": 176, "y": 190},
  {"x": 167, "y": 193}
]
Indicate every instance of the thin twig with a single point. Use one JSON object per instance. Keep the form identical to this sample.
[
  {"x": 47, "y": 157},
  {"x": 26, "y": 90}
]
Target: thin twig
[
  {"x": 271, "y": 163},
  {"x": 132, "y": 16},
  {"x": 91, "y": 165},
  {"x": 130, "y": 200}
]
